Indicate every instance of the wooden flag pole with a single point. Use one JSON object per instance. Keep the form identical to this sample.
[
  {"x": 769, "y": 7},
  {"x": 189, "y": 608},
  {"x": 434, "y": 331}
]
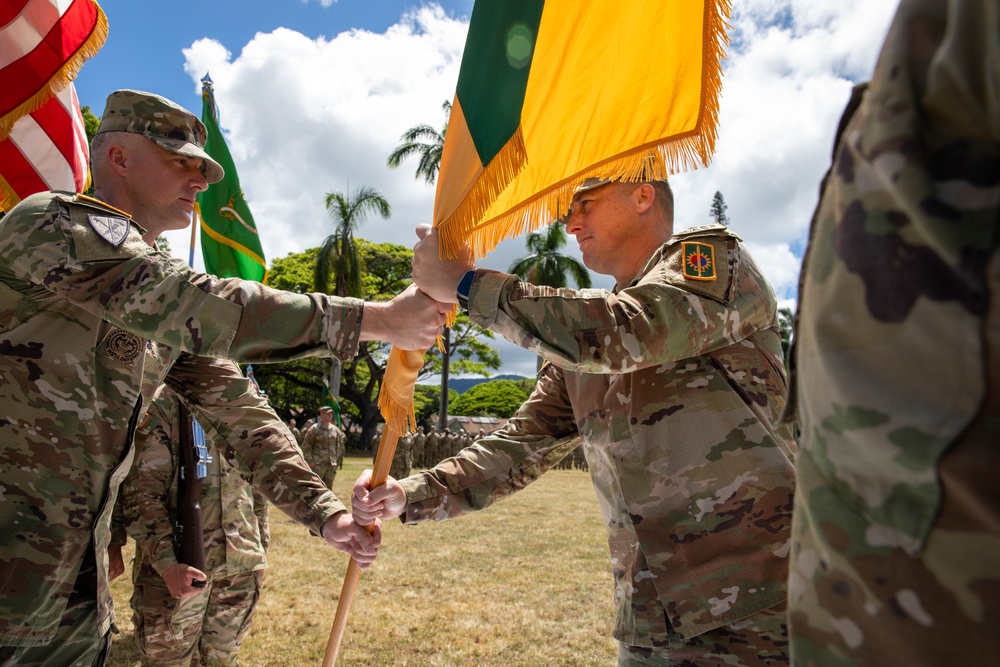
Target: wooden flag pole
[{"x": 383, "y": 461}]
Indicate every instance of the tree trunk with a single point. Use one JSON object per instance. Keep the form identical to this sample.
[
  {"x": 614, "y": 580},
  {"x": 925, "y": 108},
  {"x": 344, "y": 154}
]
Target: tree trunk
[{"x": 445, "y": 358}]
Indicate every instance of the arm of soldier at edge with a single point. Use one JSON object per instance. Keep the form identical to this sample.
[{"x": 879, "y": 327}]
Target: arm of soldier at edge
[
  {"x": 145, "y": 292},
  {"x": 261, "y": 447},
  {"x": 596, "y": 331},
  {"x": 539, "y": 435}
]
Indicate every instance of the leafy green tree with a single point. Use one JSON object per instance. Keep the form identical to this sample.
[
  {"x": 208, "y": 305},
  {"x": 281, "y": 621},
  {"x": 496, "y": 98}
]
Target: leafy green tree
[
  {"x": 425, "y": 141},
  {"x": 298, "y": 385},
  {"x": 785, "y": 319},
  {"x": 496, "y": 398},
  {"x": 719, "y": 208},
  {"x": 90, "y": 123}
]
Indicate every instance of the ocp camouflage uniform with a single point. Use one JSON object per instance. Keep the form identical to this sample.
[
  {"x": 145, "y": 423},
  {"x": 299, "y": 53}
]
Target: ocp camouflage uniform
[
  {"x": 675, "y": 386},
  {"x": 400, "y": 467},
  {"x": 323, "y": 446},
  {"x": 417, "y": 451},
  {"x": 896, "y": 547},
  {"x": 432, "y": 448},
  {"x": 210, "y": 626},
  {"x": 81, "y": 318}
]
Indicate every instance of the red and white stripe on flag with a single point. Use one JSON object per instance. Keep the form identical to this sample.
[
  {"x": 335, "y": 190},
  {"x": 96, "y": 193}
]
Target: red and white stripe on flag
[
  {"x": 43, "y": 44},
  {"x": 46, "y": 150}
]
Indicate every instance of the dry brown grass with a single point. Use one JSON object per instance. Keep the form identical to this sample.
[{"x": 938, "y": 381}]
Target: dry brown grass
[{"x": 523, "y": 583}]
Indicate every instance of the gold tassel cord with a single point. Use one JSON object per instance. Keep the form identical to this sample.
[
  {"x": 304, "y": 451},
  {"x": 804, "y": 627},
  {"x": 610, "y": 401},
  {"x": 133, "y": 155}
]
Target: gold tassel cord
[{"x": 61, "y": 78}]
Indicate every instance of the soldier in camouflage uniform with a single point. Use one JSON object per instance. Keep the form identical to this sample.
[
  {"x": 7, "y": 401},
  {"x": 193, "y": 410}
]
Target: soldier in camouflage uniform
[
  {"x": 92, "y": 319},
  {"x": 674, "y": 382},
  {"x": 432, "y": 448},
  {"x": 896, "y": 537},
  {"x": 323, "y": 445},
  {"x": 174, "y": 624},
  {"x": 401, "y": 456},
  {"x": 293, "y": 427},
  {"x": 417, "y": 451}
]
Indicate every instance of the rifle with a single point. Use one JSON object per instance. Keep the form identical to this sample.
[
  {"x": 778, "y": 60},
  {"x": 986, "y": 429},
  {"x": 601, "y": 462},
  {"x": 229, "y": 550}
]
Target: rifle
[{"x": 195, "y": 459}]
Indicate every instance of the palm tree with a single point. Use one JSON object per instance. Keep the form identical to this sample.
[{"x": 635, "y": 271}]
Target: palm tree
[
  {"x": 338, "y": 256},
  {"x": 546, "y": 265},
  {"x": 425, "y": 141}
]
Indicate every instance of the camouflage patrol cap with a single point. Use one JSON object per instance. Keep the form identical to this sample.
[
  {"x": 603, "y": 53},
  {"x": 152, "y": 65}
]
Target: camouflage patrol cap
[
  {"x": 325, "y": 409},
  {"x": 162, "y": 122}
]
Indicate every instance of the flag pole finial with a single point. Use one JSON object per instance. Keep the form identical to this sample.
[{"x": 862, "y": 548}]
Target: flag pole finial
[{"x": 206, "y": 82}]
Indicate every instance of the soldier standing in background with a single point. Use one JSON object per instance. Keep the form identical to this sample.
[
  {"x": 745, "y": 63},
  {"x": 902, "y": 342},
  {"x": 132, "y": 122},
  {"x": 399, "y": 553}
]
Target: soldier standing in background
[
  {"x": 401, "y": 457},
  {"x": 432, "y": 448},
  {"x": 674, "y": 382},
  {"x": 177, "y": 624},
  {"x": 417, "y": 454},
  {"x": 323, "y": 445},
  {"x": 293, "y": 427},
  {"x": 896, "y": 540}
]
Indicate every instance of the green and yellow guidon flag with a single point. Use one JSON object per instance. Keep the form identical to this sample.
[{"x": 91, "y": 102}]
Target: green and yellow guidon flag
[
  {"x": 230, "y": 244},
  {"x": 551, "y": 92}
]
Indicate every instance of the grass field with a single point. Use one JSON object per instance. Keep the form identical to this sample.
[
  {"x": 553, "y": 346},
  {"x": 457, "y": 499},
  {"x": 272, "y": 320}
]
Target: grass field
[{"x": 524, "y": 583}]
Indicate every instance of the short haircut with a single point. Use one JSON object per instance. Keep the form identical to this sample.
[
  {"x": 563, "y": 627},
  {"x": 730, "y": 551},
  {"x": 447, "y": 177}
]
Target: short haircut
[
  {"x": 664, "y": 198},
  {"x": 99, "y": 150}
]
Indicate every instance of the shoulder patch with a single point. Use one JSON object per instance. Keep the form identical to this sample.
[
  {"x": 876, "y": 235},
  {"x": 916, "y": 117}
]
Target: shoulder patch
[
  {"x": 698, "y": 261},
  {"x": 706, "y": 266},
  {"x": 110, "y": 228}
]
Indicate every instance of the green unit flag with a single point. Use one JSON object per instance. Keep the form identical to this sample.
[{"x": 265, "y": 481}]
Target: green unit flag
[{"x": 230, "y": 244}]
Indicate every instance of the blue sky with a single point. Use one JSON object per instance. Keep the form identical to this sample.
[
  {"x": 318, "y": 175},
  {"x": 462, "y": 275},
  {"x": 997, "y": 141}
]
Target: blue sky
[{"x": 315, "y": 94}]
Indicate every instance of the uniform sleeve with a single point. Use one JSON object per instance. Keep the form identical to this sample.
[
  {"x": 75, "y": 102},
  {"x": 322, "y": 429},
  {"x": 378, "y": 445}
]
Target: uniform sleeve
[
  {"x": 660, "y": 319},
  {"x": 537, "y": 437},
  {"x": 257, "y": 443},
  {"x": 146, "y": 292},
  {"x": 146, "y": 492}
]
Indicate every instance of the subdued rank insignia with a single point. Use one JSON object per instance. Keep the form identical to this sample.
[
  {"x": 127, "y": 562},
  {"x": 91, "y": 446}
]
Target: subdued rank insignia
[
  {"x": 699, "y": 261},
  {"x": 111, "y": 229},
  {"x": 123, "y": 346}
]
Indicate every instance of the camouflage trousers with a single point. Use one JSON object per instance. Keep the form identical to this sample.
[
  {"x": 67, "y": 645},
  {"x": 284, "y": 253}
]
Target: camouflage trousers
[
  {"x": 205, "y": 629},
  {"x": 77, "y": 642},
  {"x": 756, "y": 641},
  {"x": 327, "y": 472}
]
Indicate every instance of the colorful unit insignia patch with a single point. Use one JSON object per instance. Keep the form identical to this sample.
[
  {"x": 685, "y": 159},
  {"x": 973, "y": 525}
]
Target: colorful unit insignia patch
[{"x": 699, "y": 261}]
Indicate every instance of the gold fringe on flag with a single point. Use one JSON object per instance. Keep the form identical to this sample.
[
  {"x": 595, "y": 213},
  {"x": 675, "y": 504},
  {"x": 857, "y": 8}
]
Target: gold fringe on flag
[
  {"x": 652, "y": 161},
  {"x": 62, "y": 78},
  {"x": 395, "y": 400}
]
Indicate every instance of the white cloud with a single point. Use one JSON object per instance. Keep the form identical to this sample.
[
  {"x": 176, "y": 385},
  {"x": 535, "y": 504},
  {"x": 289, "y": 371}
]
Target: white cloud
[{"x": 307, "y": 116}]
